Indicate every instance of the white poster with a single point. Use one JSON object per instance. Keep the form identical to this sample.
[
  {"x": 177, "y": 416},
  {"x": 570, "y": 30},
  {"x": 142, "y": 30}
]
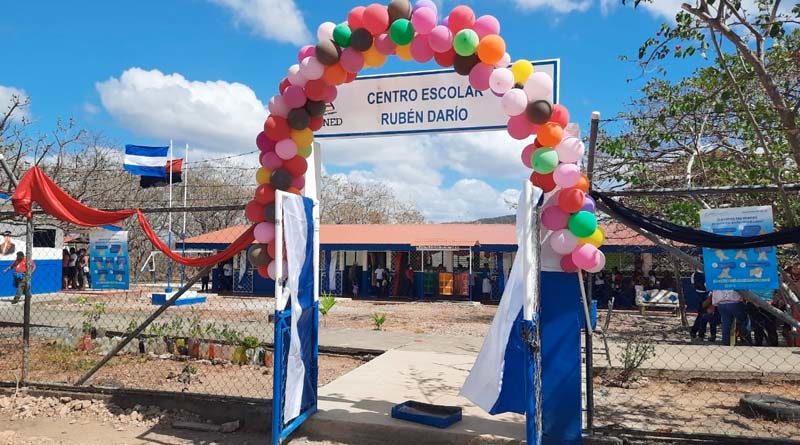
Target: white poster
[{"x": 421, "y": 102}]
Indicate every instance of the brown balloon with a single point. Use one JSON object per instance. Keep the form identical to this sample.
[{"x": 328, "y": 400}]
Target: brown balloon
[
  {"x": 298, "y": 118},
  {"x": 328, "y": 52},
  {"x": 315, "y": 108},
  {"x": 258, "y": 256},
  {"x": 539, "y": 112},
  {"x": 399, "y": 9},
  {"x": 281, "y": 179},
  {"x": 361, "y": 40},
  {"x": 463, "y": 65}
]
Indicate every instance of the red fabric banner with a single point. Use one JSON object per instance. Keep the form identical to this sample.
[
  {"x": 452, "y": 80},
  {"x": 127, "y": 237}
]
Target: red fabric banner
[{"x": 36, "y": 187}]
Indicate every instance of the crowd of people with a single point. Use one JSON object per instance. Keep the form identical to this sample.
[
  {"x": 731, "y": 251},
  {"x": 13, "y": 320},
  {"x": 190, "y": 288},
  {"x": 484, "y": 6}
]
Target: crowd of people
[
  {"x": 75, "y": 269},
  {"x": 623, "y": 289}
]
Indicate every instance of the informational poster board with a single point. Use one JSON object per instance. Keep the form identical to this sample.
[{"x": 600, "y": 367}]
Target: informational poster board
[
  {"x": 437, "y": 101},
  {"x": 742, "y": 269},
  {"x": 108, "y": 259}
]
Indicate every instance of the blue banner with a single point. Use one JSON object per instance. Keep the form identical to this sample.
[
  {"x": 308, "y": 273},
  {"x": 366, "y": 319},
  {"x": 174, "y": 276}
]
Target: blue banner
[{"x": 108, "y": 259}]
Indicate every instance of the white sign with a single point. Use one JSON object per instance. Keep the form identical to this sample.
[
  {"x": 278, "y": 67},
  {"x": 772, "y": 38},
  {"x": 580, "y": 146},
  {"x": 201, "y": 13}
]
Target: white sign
[{"x": 422, "y": 102}]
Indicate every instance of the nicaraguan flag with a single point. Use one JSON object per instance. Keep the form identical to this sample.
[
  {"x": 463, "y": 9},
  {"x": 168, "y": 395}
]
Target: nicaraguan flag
[
  {"x": 301, "y": 378},
  {"x": 496, "y": 382},
  {"x": 146, "y": 161}
]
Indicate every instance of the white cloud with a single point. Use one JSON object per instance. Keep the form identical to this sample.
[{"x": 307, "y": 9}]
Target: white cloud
[
  {"x": 6, "y": 94},
  {"x": 90, "y": 108},
  {"x": 214, "y": 116},
  {"x": 562, "y": 6},
  {"x": 278, "y": 20}
]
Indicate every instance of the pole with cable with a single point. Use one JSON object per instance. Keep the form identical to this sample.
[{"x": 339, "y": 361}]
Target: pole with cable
[
  {"x": 185, "y": 179},
  {"x": 587, "y": 301},
  {"x": 169, "y": 219}
]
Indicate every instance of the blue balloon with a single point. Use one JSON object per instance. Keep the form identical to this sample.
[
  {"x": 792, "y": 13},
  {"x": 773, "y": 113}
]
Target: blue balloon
[{"x": 589, "y": 205}]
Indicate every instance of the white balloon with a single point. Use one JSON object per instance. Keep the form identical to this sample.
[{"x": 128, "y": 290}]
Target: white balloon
[
  {"x": 311, "y": 68},
  {"x": 501, "y": 81},
  {"x": 539, "y": 87},
  {"x": 294, "y": 76},
  {"x": 601, "y": 263},
  {"x": 514, "y": 102},
  {"x": 325, "y": 31},
  {"x": 278, "y": 107},
  {"x": 563, "y": 242},
  {"x": 570, "y": 150},
  {"x": 504, "y": 62}
]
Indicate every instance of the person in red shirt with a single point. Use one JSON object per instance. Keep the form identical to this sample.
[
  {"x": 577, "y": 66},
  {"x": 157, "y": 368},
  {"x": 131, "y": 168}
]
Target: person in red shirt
[{"x": 20, "y": 266}]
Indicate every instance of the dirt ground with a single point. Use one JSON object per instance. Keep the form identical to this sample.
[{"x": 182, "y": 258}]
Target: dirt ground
[
  {"x": 51, "y": 364},
  {"x": 692, "y": 406}
]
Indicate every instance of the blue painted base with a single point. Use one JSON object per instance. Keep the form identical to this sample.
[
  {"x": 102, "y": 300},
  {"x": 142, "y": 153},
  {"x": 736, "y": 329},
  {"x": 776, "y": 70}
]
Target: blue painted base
[
  {"x": 46, "y": 279},
  {"x": 186, "y": 300},
  {"x": 427, "y": 414}
]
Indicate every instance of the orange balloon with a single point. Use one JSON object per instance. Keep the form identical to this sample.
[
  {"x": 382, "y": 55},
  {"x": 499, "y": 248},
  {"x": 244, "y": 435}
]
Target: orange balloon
[
  {"x": 571, "y": 200},
  {"x": 491, "y": 49},
  {"x": 550, "y": 134},
  {"x": 294, "y": 190},
  {"x": 583, "y": 184},
  {"x": 334, "y": 75},
  {"x": 374, "y": 58},
  {"x": 404, "y": 52}
]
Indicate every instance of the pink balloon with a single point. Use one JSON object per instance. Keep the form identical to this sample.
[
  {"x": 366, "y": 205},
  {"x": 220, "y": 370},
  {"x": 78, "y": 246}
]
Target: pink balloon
[
  {"x": 294, "y": 76},
  {"x": 518, "y": 127},
  {"x": 502, "y": 81},
  {"x": 385, "y": 45},
  {"x": 352, "y": 60},
  {"x": 278, "y": 107},
  {"x": 264, "y": 143},
  {"x": 420, "y": 48},
  {"x": 306, "y": 51},
  {"x": 479, "y": 76},
  {"x": 563, "y": 242},
  {"x": 486, "y": 25},
  {"x": 330, "y": 94},
  {"x": 514, "y": 102},
  {"x": 311, "y": 68},
  {"x": 271, "y": 161},
  {"x": 505, "y": 61},
  {"x": 295, "y": 97},
  {"x": 527, "y": 152},
  {"x": 567, "y": 265},
  {"x": 299, "y": 182},
  {"x": 586, "y": 257},
  {"x": 441, "y": 39},
  {"x": 601, "y": 263},
  {"x": 566, "y": 175},
  {"x": 286, "y": 149},
  {"x": 424, "y": 20},
  {"x": 554, "y": 218},
  {"x": 272, "y": 269},
  {"x": 264, "y": 232},
  {"x": 570, "y": 150}
]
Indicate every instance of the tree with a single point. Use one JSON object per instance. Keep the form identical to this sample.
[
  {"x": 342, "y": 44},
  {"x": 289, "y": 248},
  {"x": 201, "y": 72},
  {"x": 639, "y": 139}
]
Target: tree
[{"x": 345, "y": 201}]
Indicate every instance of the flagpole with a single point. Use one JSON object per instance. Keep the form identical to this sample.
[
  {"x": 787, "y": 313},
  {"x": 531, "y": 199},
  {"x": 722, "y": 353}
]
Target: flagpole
[
  {"x": 185, "y": 180},
  {"x": 169, "y": 236}
]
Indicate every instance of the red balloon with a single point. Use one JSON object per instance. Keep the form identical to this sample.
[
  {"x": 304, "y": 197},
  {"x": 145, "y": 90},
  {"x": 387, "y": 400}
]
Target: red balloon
[
  {"x": 263, "y": 271},
  {"x": 537, "y": 144},
  {"x": 315, "y": 89},
  {"x": 445, "y": 59},
  {"x": 560, "y": 115},
  {"x": 264, "y": 143},
  {"x": 355, "y": 19},
  {"x": 376, "y": 18},
  {"x": 284, "y": 85},
  {"x": 571, "y": 200},
  {"x": 271, "y": 250},
  {"x": 296, "y": 166},
  {"x": 351, "y": 77},
  {"x": 568, "y": 265},
  {"x": 461, "y": 17},
  {"x": 316, "y": 123},
  {"x": 265, "y": 194},
  {"x": 277, "y": 128},
  {"x": 544, "y": 182},
  {"x": 254, "y": 212}
]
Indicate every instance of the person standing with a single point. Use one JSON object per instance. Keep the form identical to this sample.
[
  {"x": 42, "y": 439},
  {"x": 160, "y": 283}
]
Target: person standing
[
  {"x": 731, "y": 309},
  {"x": 65, "y": 281},
  {"x": 486, "y": 282},
  {"x": 410, "y": 281},
  {"x": 380, "y": 280},
  {"x": 227, "y": 277},
  {"x": 73, "y": 260},
  {"x": 20, "y": 266},
  {"x": 204, "y": 282},
  {"x": 81, "y": 269}
]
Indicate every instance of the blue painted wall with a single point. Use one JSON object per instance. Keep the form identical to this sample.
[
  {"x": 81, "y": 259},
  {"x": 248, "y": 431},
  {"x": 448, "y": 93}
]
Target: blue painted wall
[{"x": 46, "y": 279}]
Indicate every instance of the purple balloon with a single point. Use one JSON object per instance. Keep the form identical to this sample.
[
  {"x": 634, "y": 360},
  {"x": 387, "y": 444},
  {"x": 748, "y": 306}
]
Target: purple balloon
[{"x": 589, "y": 204}]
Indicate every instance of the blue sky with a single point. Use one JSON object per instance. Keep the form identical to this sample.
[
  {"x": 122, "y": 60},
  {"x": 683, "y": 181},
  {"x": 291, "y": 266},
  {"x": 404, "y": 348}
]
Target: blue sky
[{"x": 202, "y": 71}]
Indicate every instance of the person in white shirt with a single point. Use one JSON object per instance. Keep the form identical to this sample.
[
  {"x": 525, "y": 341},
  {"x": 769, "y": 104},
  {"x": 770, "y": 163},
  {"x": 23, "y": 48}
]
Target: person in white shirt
[
  {"x": 731, "y": 307},
  {"x": 380, "y": 281},
  {"x": 227, "y": 274}
]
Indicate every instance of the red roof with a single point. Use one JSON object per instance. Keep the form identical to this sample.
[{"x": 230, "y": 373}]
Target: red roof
[{"x": 419, "y": 235}]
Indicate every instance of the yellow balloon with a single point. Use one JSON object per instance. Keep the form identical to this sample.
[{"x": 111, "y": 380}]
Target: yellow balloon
[
  {"x": 374, "y": 58},
  {"x": 263, "y": 176},
  {"x": 303, "y": 138},
  {"x": 522, "y": 70},
  {"x": 596, "y": 239},
  {"x": 404, "y": 52}
]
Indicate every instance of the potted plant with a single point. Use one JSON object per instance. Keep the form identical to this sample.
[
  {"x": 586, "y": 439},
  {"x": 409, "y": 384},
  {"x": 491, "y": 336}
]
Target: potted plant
[
  {"x": 250, "y": 344},
  {"x": 208, "y": 349},
  {"x": 91, "y": 315},
  {"x": 176, "y": 327},
  {"x": 155, "y": 341},
  {"x": 231, "y": 338},
  {"x": 196, "y": 332}
]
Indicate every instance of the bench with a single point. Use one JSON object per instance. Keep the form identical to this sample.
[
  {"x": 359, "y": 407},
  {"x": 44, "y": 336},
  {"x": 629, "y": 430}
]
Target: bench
[{"x": 658, "y": 298}]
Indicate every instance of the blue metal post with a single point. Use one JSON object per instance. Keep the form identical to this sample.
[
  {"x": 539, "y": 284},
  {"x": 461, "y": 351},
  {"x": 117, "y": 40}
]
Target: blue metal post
[{"x": 277, "y": 380}]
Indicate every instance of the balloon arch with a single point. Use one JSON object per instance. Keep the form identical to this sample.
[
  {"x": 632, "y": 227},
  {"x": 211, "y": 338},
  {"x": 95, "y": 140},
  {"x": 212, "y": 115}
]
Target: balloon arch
[{"x": 474, "y": 48}]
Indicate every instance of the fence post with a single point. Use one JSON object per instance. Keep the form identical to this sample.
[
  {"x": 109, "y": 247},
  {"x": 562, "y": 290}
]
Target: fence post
[
  {"x": 676, "y": 265},
  {"x": 26, "y": 312}
]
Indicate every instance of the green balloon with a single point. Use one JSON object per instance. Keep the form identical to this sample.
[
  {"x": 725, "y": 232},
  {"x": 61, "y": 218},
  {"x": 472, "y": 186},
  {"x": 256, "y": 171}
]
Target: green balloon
[
  {"x": 401, "y": 32},
  {"x": 304, "y": 151},
  {"x": 582, "y": 224},
  {"x": 544, "y": 160},
  {"x": 341, "y": 35},
  {"x": 466, "y": 42}
]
